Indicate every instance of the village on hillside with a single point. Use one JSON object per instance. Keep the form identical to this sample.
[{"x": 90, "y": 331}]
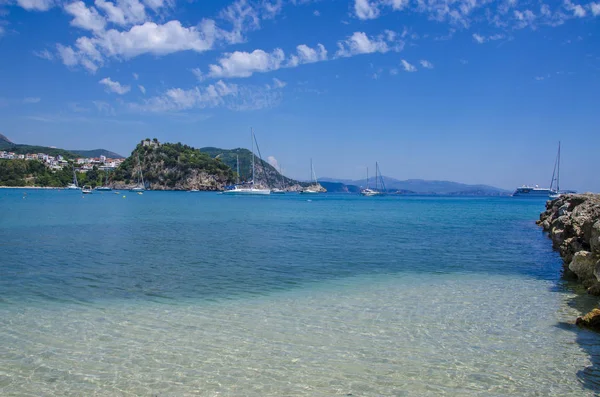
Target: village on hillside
[{"x": 83, "y": 164}]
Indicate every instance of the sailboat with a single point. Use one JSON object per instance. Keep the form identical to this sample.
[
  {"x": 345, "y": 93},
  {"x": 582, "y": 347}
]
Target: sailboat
[
  {"x": 104, "y": 187},
  {"x": 378, "y": 181},
  {"x": 248, "y": 189},
  {"x": 315, "y": 188},
  {"x": 552, "y": 192},
  {"x": 140, "y": 185},
  {"x": 74, "y": 185},
  {"x": 279, "y": 190}
]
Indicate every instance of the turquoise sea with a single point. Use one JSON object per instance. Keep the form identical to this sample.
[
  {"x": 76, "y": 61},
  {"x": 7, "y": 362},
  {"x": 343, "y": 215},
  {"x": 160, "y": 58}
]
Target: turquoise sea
[{"x": 178, "y": 294}]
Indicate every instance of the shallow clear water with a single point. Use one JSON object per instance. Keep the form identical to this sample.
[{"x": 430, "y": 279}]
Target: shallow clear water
[{"x": 195, "y": 293}]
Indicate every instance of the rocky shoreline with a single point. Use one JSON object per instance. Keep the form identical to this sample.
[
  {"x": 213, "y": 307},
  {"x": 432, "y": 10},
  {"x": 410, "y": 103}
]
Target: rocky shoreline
[{"x": 573, "y": 223}]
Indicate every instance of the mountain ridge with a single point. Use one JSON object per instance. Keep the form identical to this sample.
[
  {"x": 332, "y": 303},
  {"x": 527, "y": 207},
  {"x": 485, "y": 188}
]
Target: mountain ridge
[
  {"x": 8, "y": 145},
  {"x": 424, "y": 186}
]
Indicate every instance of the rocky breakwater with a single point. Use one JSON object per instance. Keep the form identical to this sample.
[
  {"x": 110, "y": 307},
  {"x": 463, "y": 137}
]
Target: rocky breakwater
[{"x": 573, "y": 224}]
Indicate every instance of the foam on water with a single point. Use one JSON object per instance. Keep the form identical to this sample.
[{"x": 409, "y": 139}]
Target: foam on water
[{"x": 402, "y": 335}]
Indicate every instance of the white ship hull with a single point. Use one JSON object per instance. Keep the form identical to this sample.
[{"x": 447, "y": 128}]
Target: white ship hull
[{"x": 248, "y": 192}]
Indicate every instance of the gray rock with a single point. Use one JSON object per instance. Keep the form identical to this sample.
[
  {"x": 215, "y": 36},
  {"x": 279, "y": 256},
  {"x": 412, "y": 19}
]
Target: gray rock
[
  {"x": 584, "y": 265},
  {"x": 595, "y": 238}
]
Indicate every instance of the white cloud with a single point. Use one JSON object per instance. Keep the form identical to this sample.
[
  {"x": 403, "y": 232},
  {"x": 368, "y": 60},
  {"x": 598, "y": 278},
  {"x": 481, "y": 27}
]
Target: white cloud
[
  {"x": 219, "y": 94},
  {"x": 67, "y": 55},
  {"x": 393, "y": 71},
  {"x": 426, "y": 64},
  {"x": 305, "y": 54},
  {"x": 407, "y": 66},
  {"x": 156, "y": 4},
  {"x": 278, "y": 83},
  {"x": 360, "y": 43},
  {"x": 142, "y": 89},
  {"x": 44, "y": 54},
  {"x": 114, "y": 86},
  {"x": 85, "y": 18},
  {"x": 136, "y": 76},
  {"x": 36, "y": 5},
  {"x": 31, "y": 100},
  {"x": 246, "y": 15},
  {"x": 578, "y": 11},
  {"x": 123, "y": 12},
  {"x": 594, "y": 8},
  {"x": 365, "y": 10},
  {"x": 140, "y": 39},
  {"x": 244, "y": 64},
  {"x": 316, "y": 13},
  {"x": 273, "y": 161},
  {"x": 158, "y": 39},
  {"x": 1, "y": 30},
  {"x": 478, "y": 38}
]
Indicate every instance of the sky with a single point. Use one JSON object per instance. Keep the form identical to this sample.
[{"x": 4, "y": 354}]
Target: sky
[{"x": 463, "y": 90}]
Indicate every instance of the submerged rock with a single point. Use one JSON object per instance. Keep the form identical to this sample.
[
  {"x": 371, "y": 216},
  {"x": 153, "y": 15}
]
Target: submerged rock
[{"x": 590, "y": 320}]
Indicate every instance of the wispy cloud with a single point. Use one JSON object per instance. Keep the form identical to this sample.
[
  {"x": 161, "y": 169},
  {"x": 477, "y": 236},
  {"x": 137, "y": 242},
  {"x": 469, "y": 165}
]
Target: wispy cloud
[
  {"x": 360, "y": 43},
  {"x": 142, "y": 89},
  {"x": 31, "y": 100},
  {"x": 407, "y": 66},
  {"x": 44, "y": 54},
  {"x": 219, "y": 94},
  {"x": 426, "y": 64},
  {"x": 114, "y": 86}
]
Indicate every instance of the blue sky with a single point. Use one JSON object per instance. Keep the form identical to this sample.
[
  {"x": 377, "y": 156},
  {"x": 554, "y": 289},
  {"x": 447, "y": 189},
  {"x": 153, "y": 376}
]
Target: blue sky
[{"x": 465, "y": 90}]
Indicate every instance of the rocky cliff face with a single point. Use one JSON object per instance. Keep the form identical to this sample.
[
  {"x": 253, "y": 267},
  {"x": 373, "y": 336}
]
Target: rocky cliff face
[
  {"x": 573, "y": 224},
  {"x": 171, "y": 166}
]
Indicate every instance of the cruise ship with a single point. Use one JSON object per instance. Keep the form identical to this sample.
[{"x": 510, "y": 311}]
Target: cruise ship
[{"x": 533, "y": 191}]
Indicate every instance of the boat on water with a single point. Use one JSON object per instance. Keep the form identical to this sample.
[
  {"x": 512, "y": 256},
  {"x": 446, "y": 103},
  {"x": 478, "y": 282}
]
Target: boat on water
[
  {"x": 104, "y": 187},
  {"x": 282, "y": 184},
  {"x": 378, "y": 181},
  {"x": 87, "y": 189},
  {"x": 248, "y": 188},
  {"x": 552, "y": 192},
  {"x": 141, "y": 186},
  {"x": 74, "y": 185},
  {"x": 314, "y": 188}
]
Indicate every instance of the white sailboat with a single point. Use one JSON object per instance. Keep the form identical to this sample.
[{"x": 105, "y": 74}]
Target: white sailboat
[
  {"x": 74, "y": 185},
  {"x": 141, "y": 186},
  {"x": 104, "y": 187},
  {"x": 279, "y": 190},
  {"x": 378, "y": 181},
  {"x": 315, "y": 188},
  {"x": 249, "y": 188}
]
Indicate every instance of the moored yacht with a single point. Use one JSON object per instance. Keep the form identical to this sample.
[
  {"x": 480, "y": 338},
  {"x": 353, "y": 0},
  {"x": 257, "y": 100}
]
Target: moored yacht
[
  {"x": 552, "y": 192},
  {"x": 248, "y": 188},
  {"x": 315, "y": 188},
  {"x": 378, "y": 181}
]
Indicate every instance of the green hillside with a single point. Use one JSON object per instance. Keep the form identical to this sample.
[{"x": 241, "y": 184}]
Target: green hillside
[
  {"x": 172, "y": 166},
  {"x": 24, "y": 149},
  {"x": 9, "y": 146},
  {"x": 95, "y": 153}
]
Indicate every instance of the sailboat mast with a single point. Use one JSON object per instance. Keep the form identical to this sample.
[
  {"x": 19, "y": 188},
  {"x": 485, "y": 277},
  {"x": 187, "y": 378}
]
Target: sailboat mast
[
  {"x": 367, "y": 177},
  {"x": 376, "y": 177},
  {"x": 558, "y": 170},
  {"x": 238, "y": 168},
  {"x": 252, "y": 139}
]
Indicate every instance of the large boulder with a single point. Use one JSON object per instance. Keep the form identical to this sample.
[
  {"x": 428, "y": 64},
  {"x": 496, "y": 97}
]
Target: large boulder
[
  {"x": 595, "y": 238},
  {"x": 584, "y": 265}
]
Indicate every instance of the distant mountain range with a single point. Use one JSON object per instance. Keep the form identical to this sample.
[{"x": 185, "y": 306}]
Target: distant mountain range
[
  {"x": 9, "y": 146},
  {"x": 420, "y": 186}
]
